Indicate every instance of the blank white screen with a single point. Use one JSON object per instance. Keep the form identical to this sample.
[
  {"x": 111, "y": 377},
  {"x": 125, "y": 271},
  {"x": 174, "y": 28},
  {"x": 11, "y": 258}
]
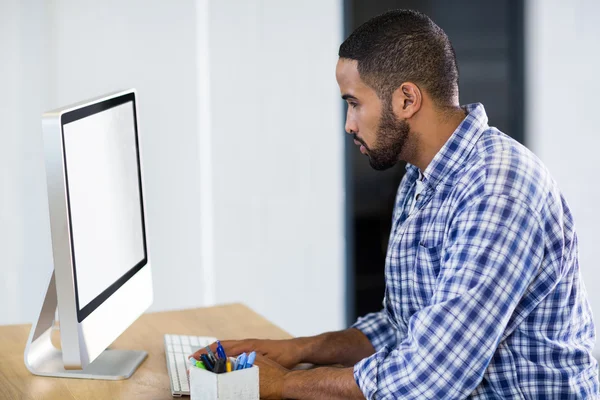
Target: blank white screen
[{"x": 106, "y": 216}]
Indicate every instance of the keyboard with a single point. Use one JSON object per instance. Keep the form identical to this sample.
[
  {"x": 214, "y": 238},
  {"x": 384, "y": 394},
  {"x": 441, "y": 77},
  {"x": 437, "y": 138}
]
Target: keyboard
[{"x": 177, "y": 350}]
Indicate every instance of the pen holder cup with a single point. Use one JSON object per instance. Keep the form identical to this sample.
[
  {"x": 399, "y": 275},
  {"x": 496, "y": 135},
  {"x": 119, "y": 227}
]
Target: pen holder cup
[{"x": 235, "y": 385}]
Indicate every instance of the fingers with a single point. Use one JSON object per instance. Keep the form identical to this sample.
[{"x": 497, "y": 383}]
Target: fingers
[
  {"x": 236, "y": 347},
  {"x": 266, "y": 362},
  {"x": 197, "y": 354},
  {"x": 232, "y": 348},
  {"x": 260, "y": 359},
  {"x": 201, "y": 351}
]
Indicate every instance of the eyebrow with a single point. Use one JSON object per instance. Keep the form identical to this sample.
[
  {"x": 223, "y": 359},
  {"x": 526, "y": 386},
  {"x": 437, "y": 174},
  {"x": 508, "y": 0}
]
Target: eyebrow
[{"x": 348, "y": 96}]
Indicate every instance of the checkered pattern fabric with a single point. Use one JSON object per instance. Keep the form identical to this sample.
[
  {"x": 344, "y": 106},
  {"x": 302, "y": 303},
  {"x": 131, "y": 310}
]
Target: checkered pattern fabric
[{"x": 484, "y": 297}]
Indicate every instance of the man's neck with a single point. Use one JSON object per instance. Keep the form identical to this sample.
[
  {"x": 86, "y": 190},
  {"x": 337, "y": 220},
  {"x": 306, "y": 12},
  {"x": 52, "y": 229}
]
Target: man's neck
[{"x": 433, "y": 133}]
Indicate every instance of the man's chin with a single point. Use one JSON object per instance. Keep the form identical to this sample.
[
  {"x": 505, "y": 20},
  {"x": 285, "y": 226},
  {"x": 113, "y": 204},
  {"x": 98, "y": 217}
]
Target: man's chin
[{"x": 378, "y": 166}]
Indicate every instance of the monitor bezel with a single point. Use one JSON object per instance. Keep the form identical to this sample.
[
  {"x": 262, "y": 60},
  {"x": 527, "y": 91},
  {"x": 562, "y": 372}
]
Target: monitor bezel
[{"x": 72, "y": 116}]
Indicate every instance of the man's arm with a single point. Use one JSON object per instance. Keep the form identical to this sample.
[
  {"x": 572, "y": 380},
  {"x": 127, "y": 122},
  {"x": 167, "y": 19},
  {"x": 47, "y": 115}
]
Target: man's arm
[
  {"x": 277, "y": 382},
  {"x": 321, "y": 383},
  {"x": 345, "y": 347},
  {"x": 369, "y": 334}
]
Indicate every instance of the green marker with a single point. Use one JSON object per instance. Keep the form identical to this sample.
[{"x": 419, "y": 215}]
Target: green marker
[{"x": 200, "y": 364}]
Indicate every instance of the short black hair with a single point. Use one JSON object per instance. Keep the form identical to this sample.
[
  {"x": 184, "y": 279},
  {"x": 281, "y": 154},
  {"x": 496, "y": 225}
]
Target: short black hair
[{"x": 404, "y": 46}]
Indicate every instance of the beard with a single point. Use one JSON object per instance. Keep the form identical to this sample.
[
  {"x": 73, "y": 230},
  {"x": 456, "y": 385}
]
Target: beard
[{"x": 392, "y": 135}]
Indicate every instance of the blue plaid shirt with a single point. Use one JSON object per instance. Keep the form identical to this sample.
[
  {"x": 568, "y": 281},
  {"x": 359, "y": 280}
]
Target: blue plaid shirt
[{"x": 484, "y": 297}]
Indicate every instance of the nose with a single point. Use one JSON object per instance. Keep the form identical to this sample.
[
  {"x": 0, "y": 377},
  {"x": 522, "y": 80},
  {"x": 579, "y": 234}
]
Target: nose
[{"x": 350, "y": 126}]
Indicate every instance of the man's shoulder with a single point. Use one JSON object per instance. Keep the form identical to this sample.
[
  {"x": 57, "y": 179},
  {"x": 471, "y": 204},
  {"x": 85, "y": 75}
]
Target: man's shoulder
[{"x": 501, "y": 166}]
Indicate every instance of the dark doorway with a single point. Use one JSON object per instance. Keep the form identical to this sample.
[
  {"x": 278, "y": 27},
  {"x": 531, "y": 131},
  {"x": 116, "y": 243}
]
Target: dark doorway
[{"x": 488, "y": 38}]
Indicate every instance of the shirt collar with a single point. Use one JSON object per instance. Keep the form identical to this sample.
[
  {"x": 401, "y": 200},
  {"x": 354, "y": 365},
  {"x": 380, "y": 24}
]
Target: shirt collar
[{"x": 455, "y": 151}]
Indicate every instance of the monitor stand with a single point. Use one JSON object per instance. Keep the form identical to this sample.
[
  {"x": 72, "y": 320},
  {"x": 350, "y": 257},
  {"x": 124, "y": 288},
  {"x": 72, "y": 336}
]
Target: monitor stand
[{"x": 42, "y": 358}]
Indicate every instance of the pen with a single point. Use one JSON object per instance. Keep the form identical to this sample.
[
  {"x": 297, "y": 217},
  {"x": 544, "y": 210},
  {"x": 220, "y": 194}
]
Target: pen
[
  {"x": 228, "y": 366},
  {"x": 207, "y": 362},
  {"x": 200, "y": 364},
  {"x": 221, "y": 351},
  {"x": 241, "y": 361},
  {"x": 250, "y": 360},
  {"x": 219, "y": 366},
  {"x": 211, "y": 354}
]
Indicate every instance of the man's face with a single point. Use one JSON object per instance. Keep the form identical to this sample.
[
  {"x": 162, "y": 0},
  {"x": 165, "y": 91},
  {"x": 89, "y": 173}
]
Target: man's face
[{"x": 373, "y": 124}]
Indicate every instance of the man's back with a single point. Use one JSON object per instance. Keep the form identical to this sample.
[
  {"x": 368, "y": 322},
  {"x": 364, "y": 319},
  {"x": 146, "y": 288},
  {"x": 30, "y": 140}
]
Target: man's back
[
  {"x": 550, "y": 347},
  {"x": 483, "y": 279}
]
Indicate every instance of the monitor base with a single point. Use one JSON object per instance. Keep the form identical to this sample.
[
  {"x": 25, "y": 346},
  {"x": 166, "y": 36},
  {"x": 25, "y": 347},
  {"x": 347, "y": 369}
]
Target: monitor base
[
  {"x": 110, "y": 365},
  {"x": 42, "y": 358}
]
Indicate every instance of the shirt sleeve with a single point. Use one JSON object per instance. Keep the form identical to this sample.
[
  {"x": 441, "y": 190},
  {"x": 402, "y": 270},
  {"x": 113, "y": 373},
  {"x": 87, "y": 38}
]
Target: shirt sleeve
[
  {"x": 378, "y": 329},
  {"x": 492, "y": 253}
]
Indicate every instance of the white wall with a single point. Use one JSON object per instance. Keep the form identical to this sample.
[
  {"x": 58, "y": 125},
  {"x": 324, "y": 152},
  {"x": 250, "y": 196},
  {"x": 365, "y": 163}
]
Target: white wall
[
  {"x": 240, "y": 121},
  {"x": 563, "y": 102},
  {"x": 25, "y": 251},
  {"x": 278, "y": 160}
]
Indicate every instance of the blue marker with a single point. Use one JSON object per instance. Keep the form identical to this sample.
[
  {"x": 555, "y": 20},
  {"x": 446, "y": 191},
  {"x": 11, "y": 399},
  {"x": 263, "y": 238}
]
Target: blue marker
[
  {"x": 221, "y": 351},
  {"x": 241, "y": 361},
  {"x": 207, "y": 362},
  {"x": 250, "y": 361}
]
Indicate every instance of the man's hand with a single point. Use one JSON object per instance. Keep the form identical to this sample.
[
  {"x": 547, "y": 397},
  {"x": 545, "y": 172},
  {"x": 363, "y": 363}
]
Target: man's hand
[
  {"x": 271, "y": 376},
  {"x": 345, "y": 347},
  {"x": 286, "y": 353},
  {"x": 277, "y": 382}
]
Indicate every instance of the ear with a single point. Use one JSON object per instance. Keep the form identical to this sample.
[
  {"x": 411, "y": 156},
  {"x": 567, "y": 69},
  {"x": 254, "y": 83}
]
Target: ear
[{"x": 406, "y": 100}]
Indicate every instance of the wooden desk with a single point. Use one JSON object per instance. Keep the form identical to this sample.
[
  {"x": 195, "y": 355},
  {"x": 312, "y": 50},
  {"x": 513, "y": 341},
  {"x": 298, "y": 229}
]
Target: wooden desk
[{"x": 151, "y": 380}]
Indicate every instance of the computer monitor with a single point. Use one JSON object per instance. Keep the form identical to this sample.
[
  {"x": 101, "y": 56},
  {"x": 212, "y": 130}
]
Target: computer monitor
[{"x": 102, "y": 279}]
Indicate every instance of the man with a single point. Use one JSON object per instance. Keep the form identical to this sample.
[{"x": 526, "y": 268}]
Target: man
[{"x": 484, "y": 297}]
